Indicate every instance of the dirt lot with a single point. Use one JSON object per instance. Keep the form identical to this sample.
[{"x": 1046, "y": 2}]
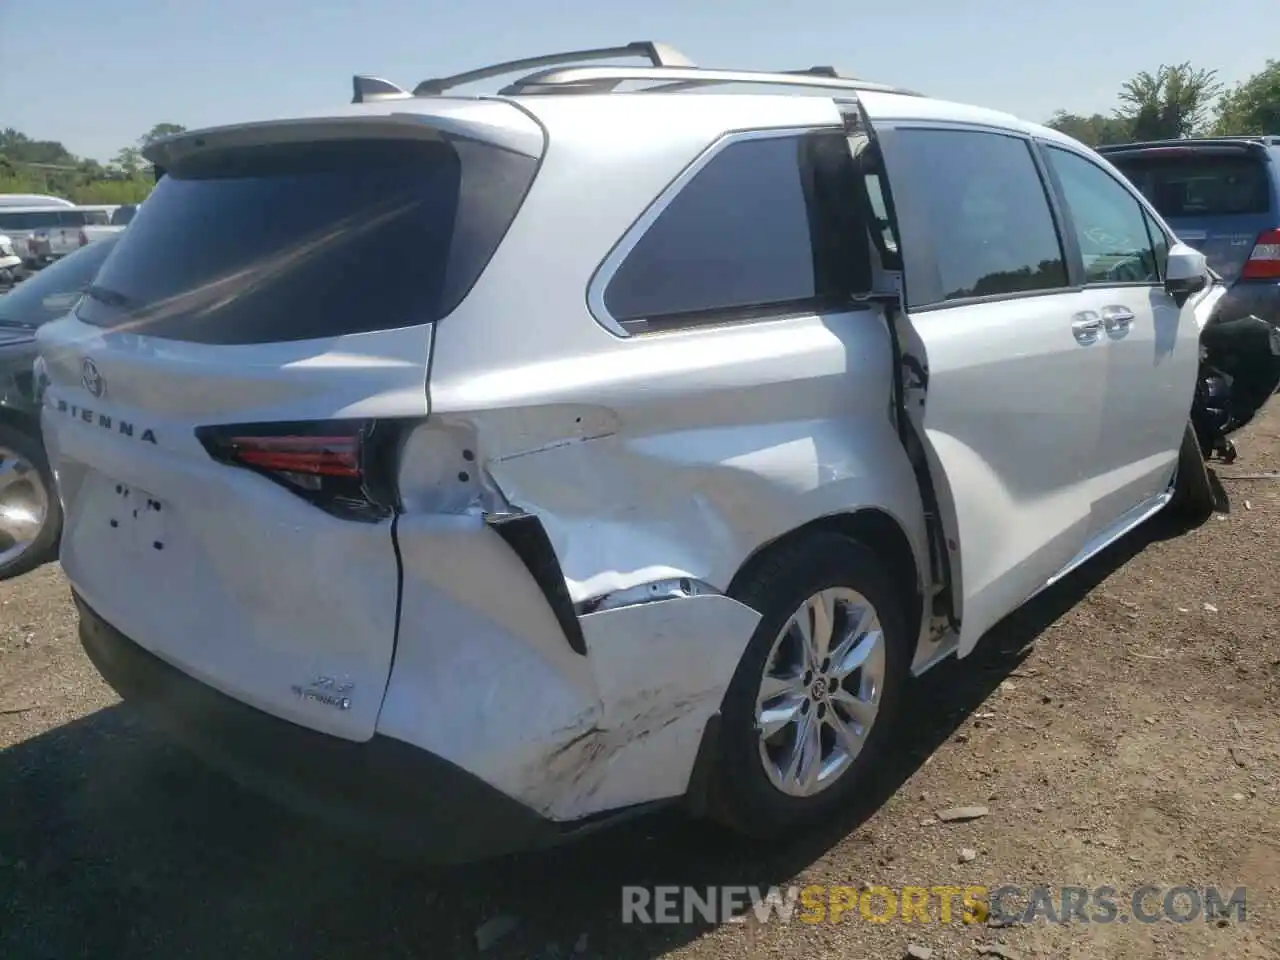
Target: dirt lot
[{"x": 1121, "y": 730}]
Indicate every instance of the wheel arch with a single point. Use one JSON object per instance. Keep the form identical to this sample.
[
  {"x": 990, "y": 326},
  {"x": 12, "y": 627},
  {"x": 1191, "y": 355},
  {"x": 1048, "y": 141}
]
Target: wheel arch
[{"x": 875, "y": 529}]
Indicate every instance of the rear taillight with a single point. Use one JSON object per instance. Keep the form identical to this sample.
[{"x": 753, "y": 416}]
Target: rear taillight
[
  {"x": 84, "y": 239},
  {"x": 344, "y": 467},
  {"x": 1264, "y": 262}
]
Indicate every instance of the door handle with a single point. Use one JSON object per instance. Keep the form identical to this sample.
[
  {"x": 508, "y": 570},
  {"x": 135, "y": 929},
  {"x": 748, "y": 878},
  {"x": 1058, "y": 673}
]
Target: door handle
[
  {"x": 1117, "y": 318},
  {"x": 1086, "y": 326}
]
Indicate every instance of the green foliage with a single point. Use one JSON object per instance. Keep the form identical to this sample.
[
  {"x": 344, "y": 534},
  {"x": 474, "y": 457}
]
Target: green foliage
[
  {"x": 1181, "y": 101},
  {"x": 1095, "y": 130},
  {"x": 1252, "y": 107},
  {"x": 1175, "y": 101},
  {"x": 46, "y": 166}
]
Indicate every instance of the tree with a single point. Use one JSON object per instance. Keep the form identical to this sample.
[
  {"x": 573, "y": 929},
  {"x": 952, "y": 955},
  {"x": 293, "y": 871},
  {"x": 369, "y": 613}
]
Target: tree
[
  {"x": 19, "y": 148},
  {"x": 1093, "y": 130},
  {"x": 1173, "y": 102},
  {"x": 46, "y": 166},
  {"x": 159, "y": 131},
  {"x": 129, "y": 162},
  {"x": 1252, "y": 107}
]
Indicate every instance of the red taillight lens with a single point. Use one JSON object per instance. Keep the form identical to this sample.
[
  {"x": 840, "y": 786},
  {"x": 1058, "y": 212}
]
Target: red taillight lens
[
  {"x": 84, "y": 239},
  {"x": 1264, "y": 262},
  {"x": 341, "y": 466},
  {"x": 319, "y": 456}
]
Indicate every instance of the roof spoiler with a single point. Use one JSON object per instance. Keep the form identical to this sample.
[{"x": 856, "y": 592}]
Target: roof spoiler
[{"x": 1220, "y": 144}]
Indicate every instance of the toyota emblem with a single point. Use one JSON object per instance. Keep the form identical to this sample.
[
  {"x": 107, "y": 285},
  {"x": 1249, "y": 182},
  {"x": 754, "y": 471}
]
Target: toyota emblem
[{"x": 91, "y": 378}]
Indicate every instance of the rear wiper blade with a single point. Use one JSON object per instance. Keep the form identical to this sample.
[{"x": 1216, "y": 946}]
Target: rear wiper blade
[{"x": 110, "y": 297}]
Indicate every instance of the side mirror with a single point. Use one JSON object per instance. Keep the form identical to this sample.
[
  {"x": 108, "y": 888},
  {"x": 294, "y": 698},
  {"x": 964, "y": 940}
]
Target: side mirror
[{"x": 1187, "y": 272}]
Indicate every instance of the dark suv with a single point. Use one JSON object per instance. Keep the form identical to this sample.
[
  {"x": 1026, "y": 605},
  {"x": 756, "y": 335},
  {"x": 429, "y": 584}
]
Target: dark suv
[
  {"x": 30, "y": 514},
  {"x": 1221, "y": 196}
]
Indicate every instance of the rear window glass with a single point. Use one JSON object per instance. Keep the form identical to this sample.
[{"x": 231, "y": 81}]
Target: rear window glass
[
  {"x": 302, "y": 241},
  {"x": 1204, "y": 186},
  {"x": 29, "y": 220},
  {"x": 122, "y": 216}
]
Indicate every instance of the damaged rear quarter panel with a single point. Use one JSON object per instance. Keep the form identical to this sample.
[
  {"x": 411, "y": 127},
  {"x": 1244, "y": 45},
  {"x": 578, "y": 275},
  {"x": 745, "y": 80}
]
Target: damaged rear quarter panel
[
  {"x": 681, "y": 455},
  {"x": 663, "y": 457}
]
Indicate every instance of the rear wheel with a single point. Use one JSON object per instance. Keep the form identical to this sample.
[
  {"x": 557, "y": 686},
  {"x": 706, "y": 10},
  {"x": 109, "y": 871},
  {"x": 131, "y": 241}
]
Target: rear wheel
[
  {"x": 810, "y": 706},
  {"x": 30, "y": 514},
  {"x": 1193, "y": 496}
]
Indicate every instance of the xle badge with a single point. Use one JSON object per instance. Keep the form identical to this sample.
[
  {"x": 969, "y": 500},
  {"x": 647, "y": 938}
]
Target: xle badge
[{"x": 326, "y": 691}]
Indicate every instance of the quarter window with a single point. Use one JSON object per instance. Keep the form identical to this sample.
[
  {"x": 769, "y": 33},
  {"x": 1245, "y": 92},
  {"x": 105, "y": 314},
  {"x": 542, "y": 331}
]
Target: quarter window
[
  {"x": 1110, "y": 225},
  {"x": 981, "y": 201},
  {"x": 746, "y": 235}
]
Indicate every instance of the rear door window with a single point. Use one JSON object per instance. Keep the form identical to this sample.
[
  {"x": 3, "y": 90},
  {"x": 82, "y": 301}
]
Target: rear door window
[
  {"x": 978, "y": 202},
  {"x": 314, "y": 240}
]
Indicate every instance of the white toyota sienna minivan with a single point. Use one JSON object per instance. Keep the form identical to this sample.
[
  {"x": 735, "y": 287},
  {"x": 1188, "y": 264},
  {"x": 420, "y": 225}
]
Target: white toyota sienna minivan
[{"x": 471, "y": 471}]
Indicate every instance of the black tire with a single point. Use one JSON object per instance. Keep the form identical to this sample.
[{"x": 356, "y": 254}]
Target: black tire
[
  {"x": 45, "y": 546},
  {"x": 742, "y": 796},
  {"x": 1194, "y": 499}
]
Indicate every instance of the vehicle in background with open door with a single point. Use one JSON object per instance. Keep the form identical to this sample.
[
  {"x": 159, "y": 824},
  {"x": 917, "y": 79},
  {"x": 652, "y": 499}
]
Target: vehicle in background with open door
[{"x": 472, "y": 494}]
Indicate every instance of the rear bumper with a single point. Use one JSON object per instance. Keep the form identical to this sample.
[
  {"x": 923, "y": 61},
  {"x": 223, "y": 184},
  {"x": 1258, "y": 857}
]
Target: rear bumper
[
  {"x": 382, "y": 791},
  {"x": 1260, "y": 298}
]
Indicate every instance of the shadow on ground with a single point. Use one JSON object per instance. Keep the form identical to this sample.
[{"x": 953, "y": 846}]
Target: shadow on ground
[{"x": 113, "y": 844}]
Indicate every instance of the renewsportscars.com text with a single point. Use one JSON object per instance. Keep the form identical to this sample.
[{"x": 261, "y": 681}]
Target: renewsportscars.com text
[{"x": 945, "y": 904}]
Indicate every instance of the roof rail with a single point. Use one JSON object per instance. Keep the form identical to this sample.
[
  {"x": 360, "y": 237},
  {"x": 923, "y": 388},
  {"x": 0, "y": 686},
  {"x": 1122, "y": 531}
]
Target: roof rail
[
  {"x": 604, "y": 79},
  {"x": 807, "y": 72},
  {"x": 658, "y": 54}
]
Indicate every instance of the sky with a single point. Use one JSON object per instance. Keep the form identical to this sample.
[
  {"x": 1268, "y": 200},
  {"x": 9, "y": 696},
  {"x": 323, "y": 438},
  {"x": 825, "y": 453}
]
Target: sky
[{"x": 97, "y": 75}]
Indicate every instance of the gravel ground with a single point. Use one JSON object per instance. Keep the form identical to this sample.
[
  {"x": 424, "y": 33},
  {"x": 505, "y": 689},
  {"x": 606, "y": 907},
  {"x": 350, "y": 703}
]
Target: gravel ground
[{"x": 1120, "y": 730}]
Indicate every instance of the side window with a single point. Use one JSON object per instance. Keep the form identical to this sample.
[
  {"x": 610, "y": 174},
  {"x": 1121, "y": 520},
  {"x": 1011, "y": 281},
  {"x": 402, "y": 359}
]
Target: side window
[
  {"x": 1110, "y": 224},
  {"x": 986, "y": 213},
  {"x": 742, "y": 235}
]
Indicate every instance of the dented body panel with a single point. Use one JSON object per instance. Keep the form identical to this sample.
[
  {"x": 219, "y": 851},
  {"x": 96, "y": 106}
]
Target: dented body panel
[
  {"x": 666, "y": 458},
  {"x": 648, "y": 460}
]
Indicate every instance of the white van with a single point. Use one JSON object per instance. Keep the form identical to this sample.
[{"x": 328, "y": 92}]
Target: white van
[
  {"x": 43, "y": 233},
  {"x": 32, "y": 200}
]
